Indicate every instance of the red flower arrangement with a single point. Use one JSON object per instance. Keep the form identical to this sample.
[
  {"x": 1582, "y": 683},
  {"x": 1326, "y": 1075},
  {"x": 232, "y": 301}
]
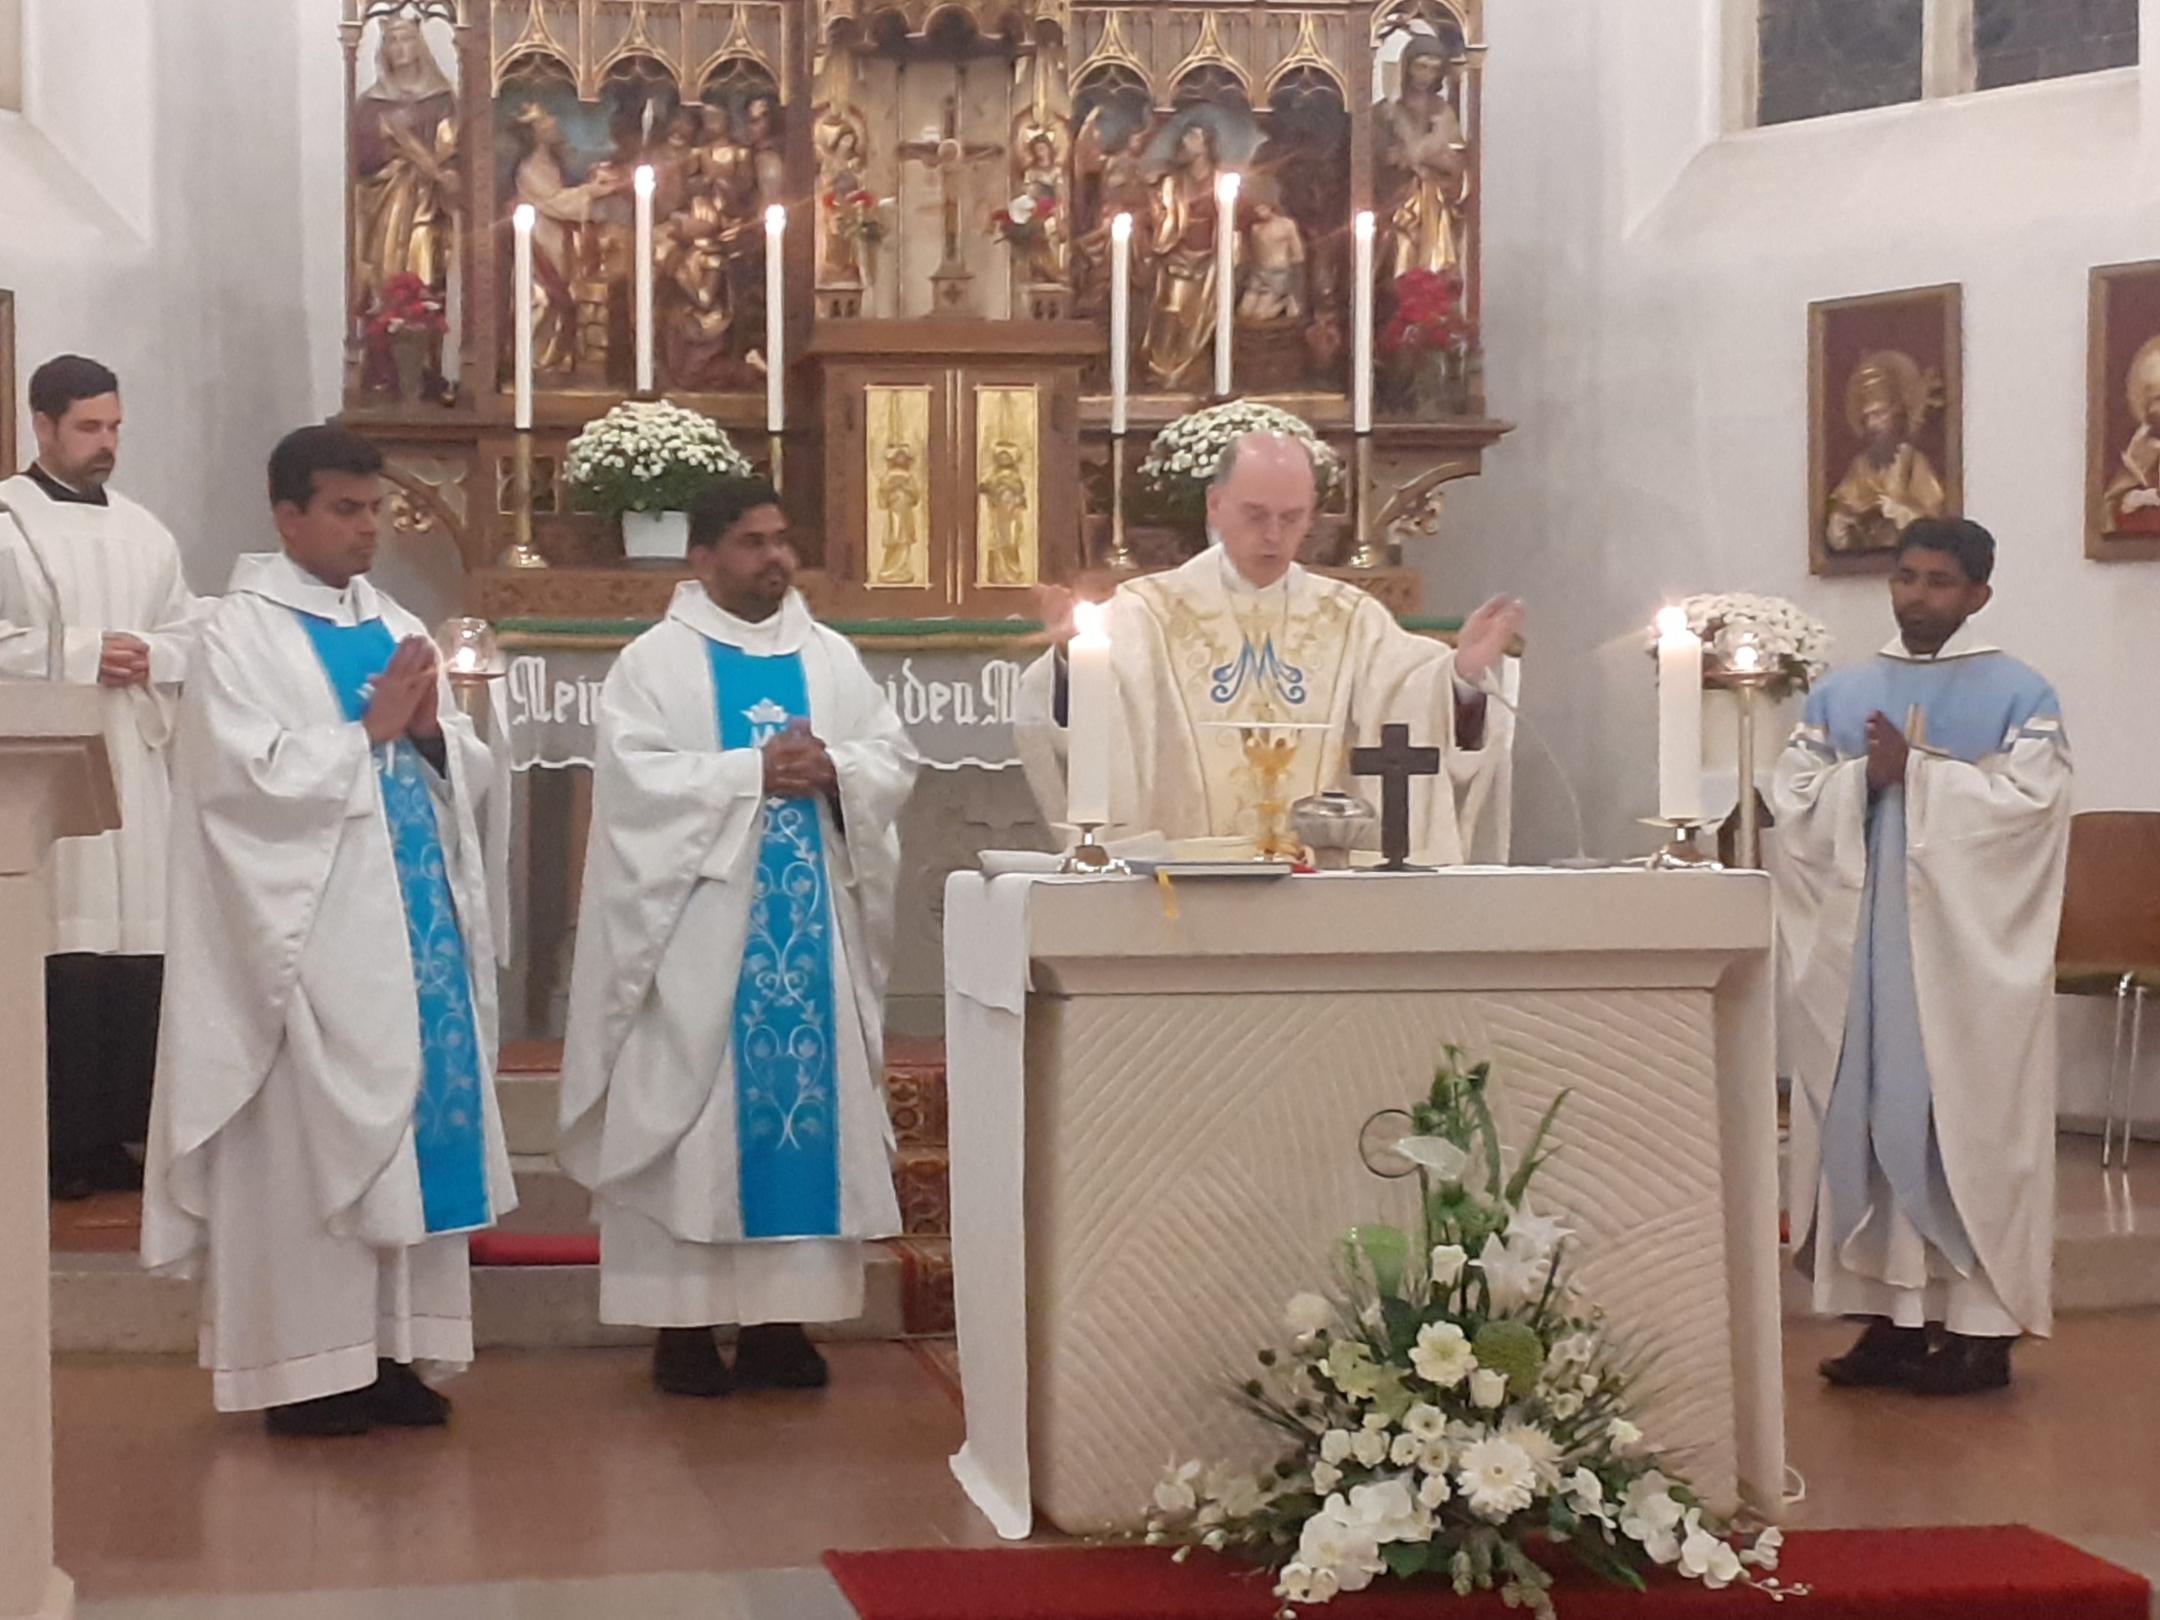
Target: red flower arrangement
[
  {"x": 1428, "y": 316},
  {"x": 407, "y": 304}
]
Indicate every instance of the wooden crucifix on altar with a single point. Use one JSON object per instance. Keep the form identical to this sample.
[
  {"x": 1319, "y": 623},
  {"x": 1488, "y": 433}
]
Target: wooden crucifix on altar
[
  {"x": 949, "y": 155},
  {"x": 1395, "y": 762}
]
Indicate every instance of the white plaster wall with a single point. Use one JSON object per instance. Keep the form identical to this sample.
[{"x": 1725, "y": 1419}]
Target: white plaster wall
[
  {"x": 1647, "y": 286},
  {"x": 150, "y": 216}
]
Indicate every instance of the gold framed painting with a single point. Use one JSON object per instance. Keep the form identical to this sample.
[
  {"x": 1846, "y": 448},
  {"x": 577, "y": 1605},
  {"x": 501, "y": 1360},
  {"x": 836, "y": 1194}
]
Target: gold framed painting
[
  {"x": 1885, "y": 422},
  {"x": 2122, "y": 414},
  {"x": 7, "y": 384}
]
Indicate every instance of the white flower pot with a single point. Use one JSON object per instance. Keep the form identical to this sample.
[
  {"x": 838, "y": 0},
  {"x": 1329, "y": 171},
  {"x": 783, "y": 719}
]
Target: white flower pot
[
  {"x": 655, "y": 537},
  {"x": 1774, "y": 721}
]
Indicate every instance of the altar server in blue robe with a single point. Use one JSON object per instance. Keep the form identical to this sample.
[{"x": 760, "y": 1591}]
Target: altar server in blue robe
[
  {"x": 1922, "y": 812},
  {"x": 721, "y": 1072},
  {"x": 324, "y": 1132}
]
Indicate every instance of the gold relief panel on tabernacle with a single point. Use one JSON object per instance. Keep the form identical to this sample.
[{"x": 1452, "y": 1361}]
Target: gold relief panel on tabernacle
[
  {"x": 898, "y": 482},
  {"x": 1007, "y": 488}
]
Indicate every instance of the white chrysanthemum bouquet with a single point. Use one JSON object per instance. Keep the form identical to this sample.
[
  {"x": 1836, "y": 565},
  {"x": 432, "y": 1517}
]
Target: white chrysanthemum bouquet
[
  {"x": 1453, "y": 1408},
  {"x": 649, "y": 456},
  {"x": 1791, "y": 642},
  {"x": 1181, "y": 461}
]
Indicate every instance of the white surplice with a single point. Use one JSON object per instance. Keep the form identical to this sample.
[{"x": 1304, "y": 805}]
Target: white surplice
[
  {"x": 289, "y": 1063},
  {"x": 649, "y": 1096},
  {"x": 1918, "y": 930},
  {"x": 1201, "y": 645},
  {"x": 116, "y": 568}
]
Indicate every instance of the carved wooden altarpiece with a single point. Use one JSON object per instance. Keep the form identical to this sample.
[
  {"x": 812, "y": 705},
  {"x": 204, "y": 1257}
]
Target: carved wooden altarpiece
[{"x": 949, "y": 169}]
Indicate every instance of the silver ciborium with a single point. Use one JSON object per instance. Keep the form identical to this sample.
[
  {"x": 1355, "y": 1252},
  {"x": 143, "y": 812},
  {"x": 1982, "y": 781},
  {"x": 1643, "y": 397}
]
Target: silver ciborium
[{"x": 1331, "y": 825}]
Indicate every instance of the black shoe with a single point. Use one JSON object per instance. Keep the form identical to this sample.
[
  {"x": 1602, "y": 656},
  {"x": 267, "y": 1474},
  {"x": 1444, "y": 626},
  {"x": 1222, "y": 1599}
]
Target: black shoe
[
  {"x": 399, "y": 1400},
  {"x": 321, "y": 1418},
  {"x": 1965, "y": 1366},
  {"x": 779, "y": 1355},
  {"x": 1886, "y": 1357},
  {"x": 119, "y": 1171},
  {"x": 686, "y": 1361}
]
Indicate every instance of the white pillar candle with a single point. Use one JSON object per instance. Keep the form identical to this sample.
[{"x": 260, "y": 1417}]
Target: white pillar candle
[
  {"x": 644, "y": 184},
  {"x": 1226, "y": 196},
  {"x": 1120, "y": 320},
  {"x": 521, "y": 325},
  {"x": 1089, "y": 694},
  {"x": 1361, "y": 338},
  {"x": 1680, "y": 717},
  {"x": 775, "y": 319}
]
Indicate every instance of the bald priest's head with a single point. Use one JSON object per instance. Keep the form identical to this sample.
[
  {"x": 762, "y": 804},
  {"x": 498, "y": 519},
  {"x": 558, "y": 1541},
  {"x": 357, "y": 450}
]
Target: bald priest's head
[{"x": 1260, "y": 505}]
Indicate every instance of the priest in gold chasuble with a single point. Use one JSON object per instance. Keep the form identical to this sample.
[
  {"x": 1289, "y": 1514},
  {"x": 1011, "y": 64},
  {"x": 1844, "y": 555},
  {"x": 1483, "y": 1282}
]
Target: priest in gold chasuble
[{"x": 1242, "y": 635}]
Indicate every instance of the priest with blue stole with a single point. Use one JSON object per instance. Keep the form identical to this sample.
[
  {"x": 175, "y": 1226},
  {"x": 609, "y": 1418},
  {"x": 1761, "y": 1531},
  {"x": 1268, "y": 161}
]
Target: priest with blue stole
[
  {"x": 721, "y": 1072},
  {"x": 324, "y": 1131},
  {"x": 1923, "y": 814}
]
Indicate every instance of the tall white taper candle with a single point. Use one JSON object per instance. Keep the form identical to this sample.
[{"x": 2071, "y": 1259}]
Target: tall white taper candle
[
  {"x": 644, "y": 184},
  {"x": 1088, "y": 699},
  {"x": 1680, "y": 720},
  {"x": 1361, "y": 336},
  {"x": 1120, "y": 320},
  {"x": 1226, "y": 234},
  {"x": 775, "y": 319},
  {"x": 521, "y": 298}
]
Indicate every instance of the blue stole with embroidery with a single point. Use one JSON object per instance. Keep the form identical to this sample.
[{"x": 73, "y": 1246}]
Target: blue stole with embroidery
[
  {"x": 787, "y": 1122},
  {"x": 448, "y": 1115}
]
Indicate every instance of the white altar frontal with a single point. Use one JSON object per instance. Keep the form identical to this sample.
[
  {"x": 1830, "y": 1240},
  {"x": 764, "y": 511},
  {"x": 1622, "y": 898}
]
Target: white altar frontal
[{"x": 1156, "y": 1103}]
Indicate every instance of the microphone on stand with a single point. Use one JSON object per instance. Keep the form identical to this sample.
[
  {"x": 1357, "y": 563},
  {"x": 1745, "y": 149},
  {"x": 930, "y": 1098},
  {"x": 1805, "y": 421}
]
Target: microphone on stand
[{"x": 1581, "y": 860}]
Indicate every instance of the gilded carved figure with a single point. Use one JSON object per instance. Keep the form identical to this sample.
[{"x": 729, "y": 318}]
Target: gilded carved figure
[
  {"x": 1004, "y": 491},
  {"x": 1424, "y": 166},
  {"x": 404, "y": 153},
  {"x": 1181, "y": 324},
  {"x": 566, "y": 235},
  {"x": 899, "y": 497}
]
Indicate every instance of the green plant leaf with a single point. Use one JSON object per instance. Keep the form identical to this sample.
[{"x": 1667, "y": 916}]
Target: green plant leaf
[{"x": 1407, "y": 1558}]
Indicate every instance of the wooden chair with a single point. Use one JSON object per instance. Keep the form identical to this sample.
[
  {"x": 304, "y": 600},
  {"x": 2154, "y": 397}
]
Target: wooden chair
[{"x": 2110, "y": 942}]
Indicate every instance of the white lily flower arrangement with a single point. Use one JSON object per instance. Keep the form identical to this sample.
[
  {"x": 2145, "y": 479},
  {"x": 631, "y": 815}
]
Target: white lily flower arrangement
[
  {"x": 1181, "y": 461},
  {"x": 649, "y": 456},
  {"x": 1453, "y": 1409},
  {"x": 1791, "y": 642}
]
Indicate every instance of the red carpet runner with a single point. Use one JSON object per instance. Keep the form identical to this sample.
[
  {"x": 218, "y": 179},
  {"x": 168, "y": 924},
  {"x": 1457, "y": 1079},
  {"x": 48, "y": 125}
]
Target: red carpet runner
[{"x": 1964, "y": 1574}]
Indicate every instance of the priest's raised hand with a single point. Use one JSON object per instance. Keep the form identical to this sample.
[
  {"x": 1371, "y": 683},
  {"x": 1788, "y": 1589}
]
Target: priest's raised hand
[{"x": 1487, "y": 637}]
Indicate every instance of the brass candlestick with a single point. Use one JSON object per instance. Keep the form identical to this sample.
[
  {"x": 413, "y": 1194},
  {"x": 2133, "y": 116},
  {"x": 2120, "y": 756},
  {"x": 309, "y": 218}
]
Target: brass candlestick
[
  {"x": 1367, "y": 553},
  {"x": 520, "y": 553},
  {"x": 1088, "y": 858},
  {"x": 1121, "y": 556},
  {"x": 1681, "y": 853},
  {"x": 1744, "y": 674},
  {"x": 775, "y": 460}
]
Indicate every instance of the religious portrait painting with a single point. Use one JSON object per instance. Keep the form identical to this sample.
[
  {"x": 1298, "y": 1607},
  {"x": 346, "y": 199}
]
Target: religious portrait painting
[
  {"x": 2122, "y": 497},
  {"x": 1884, "y": 422}
]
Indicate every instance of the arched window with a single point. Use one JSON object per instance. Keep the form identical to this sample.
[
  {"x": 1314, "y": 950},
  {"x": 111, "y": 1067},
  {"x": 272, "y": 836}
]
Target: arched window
[
  {"x": 1816, "y": 57},
  {"x": 10, "y": 55}
]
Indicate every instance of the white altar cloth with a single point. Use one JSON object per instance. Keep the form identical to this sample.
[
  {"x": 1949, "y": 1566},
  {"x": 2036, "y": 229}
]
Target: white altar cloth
[{"x": 1153, "y": 1143}]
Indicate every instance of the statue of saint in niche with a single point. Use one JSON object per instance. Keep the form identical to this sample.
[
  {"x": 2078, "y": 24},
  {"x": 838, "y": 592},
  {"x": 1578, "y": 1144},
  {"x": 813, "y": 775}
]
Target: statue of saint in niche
[
  {"x": 404, "y": 146},
  {"x": 1424, "y": 166},
  {"x": 566, "y": 247},
  {"x": 1181, "y": 325}
]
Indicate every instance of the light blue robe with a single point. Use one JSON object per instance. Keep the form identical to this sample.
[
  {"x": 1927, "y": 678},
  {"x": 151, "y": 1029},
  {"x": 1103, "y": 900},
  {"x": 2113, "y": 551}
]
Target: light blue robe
[{"x": 1878, "y": 1135}]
